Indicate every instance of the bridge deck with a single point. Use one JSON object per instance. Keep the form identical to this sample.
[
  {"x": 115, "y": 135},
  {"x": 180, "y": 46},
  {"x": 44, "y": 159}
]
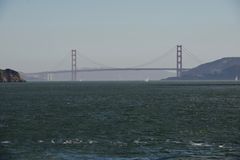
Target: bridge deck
[{"x": 112, "y": 69}]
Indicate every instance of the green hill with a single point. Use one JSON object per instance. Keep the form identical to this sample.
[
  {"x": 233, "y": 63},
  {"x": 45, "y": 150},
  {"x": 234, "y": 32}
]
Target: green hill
[{"x": 222, "y": 69}]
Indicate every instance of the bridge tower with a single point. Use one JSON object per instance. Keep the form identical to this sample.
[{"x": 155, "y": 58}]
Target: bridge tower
[
  {"x": 74, "y": 64},
  {"x": 179, "y": 61}
]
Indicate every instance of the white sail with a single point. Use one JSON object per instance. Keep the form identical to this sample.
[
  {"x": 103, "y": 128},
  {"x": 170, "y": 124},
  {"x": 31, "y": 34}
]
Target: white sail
[
  {"x": 236, "y": 78},
  {"x": 147, "y": 79}
]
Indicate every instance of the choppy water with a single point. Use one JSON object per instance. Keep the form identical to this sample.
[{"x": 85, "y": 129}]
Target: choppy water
[{"x": 120, "y": 121}]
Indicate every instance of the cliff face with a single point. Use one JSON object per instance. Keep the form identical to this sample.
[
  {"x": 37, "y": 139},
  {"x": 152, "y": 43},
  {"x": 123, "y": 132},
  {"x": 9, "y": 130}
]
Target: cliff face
[
  {"x": 9, "y": 75},
  {"x": 222, "y": 69}
]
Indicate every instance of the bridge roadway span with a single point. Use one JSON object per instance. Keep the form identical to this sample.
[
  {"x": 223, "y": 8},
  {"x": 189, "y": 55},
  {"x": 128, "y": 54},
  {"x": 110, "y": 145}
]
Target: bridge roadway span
[{"x": 112, "y": 69}]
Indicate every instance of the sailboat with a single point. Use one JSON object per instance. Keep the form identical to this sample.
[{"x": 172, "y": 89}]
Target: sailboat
[{"x": 236, "y": 78}]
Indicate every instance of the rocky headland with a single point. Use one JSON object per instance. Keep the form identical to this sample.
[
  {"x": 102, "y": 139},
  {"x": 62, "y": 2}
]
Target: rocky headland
[{"x": 9, "y": 75}]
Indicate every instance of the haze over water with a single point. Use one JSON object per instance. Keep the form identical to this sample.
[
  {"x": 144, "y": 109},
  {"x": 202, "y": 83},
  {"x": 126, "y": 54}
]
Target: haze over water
[{"x": 120, "y": 120}]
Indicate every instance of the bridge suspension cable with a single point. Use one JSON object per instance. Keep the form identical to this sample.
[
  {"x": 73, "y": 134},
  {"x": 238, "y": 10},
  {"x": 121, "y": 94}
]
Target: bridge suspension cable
[
  {"x": 93, "y": 61},
  {"x": 155, "y": 59},
  {"x": 60, "y": 63},
  {"x": 136, "y": 66},
  {"x": 197, "y": 59}
]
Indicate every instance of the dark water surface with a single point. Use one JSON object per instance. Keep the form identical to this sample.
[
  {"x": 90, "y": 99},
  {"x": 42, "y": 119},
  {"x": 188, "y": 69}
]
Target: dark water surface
[{"x": 120, "y": 121}]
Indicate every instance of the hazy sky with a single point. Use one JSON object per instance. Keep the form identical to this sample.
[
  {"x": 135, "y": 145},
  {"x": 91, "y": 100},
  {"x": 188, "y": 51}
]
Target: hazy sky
[{"x": 38, "y": 35}]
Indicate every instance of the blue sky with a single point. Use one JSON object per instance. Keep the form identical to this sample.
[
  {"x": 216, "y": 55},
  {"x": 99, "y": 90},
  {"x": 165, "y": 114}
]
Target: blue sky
[{"x": 37, "y": 34}]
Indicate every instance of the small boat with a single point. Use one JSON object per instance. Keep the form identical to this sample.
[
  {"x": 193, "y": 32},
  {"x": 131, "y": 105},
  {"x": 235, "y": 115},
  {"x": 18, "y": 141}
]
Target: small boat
[{"x": 147, "y": 79}]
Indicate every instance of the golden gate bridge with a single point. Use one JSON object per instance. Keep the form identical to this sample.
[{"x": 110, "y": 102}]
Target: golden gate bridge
[{"x": 74, "y": 71}]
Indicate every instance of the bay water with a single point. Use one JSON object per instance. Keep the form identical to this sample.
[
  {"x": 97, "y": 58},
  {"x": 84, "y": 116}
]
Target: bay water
[{"x": 120, "y": 120}]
